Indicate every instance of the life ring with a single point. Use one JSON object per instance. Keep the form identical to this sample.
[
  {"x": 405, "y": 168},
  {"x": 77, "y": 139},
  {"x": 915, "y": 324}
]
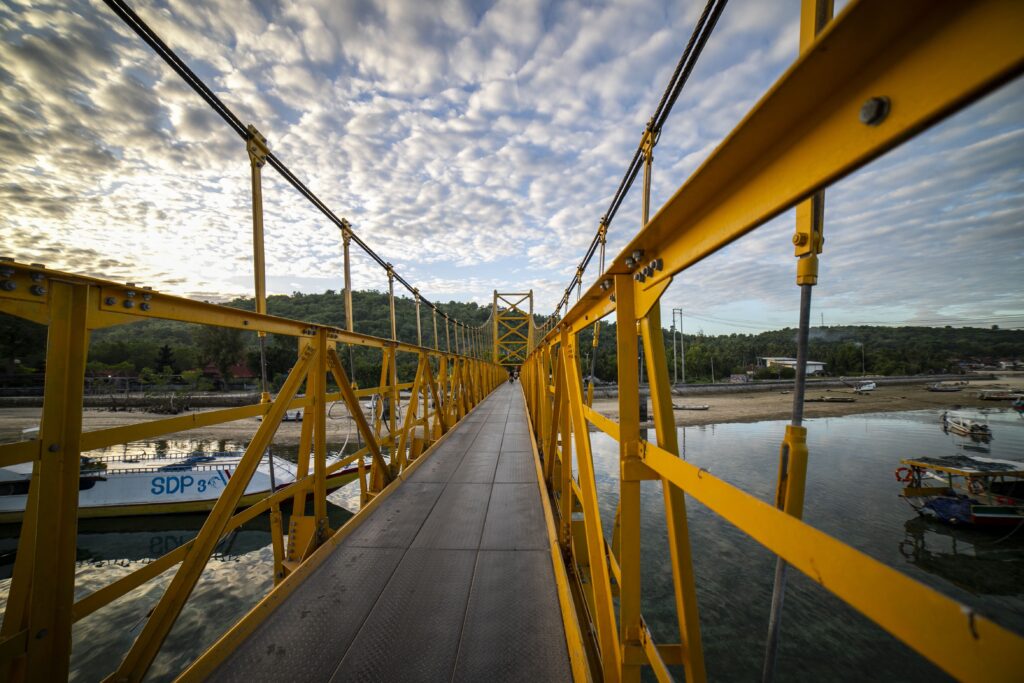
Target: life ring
[
  {"x": 975, "y": 486},
  {"x": 904, "y": 475}
]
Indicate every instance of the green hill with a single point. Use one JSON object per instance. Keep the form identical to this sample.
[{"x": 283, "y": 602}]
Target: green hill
[{"x": 153, "y": 344}]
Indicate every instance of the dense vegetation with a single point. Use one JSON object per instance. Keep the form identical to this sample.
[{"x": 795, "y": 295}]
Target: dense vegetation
[{"x": 157, "y": 350}]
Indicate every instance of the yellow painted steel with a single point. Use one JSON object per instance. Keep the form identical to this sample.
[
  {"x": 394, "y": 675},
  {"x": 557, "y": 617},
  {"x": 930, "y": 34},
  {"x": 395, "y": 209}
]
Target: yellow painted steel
[
  {"x": 41, "y": 598},
  {"x": 512, "y": 319},
  {"x": 929, "y": 60}
]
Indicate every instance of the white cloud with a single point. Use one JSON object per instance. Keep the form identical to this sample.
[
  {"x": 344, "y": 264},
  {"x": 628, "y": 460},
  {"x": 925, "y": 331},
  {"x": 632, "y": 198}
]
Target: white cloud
[{"x": 475, "y": 145}]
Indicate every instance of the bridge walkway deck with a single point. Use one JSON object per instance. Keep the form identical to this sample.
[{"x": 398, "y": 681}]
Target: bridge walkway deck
[{"x": 449, "y": 578}]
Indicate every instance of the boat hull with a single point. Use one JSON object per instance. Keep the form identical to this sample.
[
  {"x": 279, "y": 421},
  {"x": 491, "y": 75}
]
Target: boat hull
[{"x": 161, "y": 493}]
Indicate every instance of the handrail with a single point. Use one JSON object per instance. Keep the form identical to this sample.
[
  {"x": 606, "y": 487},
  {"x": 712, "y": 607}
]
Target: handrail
[{"x": 862, "y": 87}]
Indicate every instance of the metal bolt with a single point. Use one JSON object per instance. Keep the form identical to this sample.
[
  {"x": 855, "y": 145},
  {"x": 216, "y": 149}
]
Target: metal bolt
[
  {"x": 612, "y": 297},
  {"x": 6, "y": 272},
  {"x": 629, "y": 263},
  {"x": 147, "y": 297},
  {"x": 53, "y": 447},
  {"x": 8, "y": 285},
  {"x": 110, "y": 301},
  {"x": 37, "y": 290},
  {"x": 874, "y": 111},
  {"x": 144, "y": 306},
  {"x": 659, "y": 264},
  {"x": 637, "y": 255},
  {"x": 41, "y": 633},
  {"x": 37, "y": 277},
  {"x": 128, "y": 303},
  {"x": 800, "y": 239},
  {"x": 130, "y": 294}
]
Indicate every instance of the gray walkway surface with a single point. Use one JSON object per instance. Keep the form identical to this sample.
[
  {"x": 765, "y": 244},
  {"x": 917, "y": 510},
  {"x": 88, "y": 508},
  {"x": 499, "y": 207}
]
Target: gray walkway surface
[{"x": 449, "y": 579}]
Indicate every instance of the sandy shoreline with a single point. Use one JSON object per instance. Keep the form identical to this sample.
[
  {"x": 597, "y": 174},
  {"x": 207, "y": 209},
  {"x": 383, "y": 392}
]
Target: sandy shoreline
[
  {"x": 734, "y": 407},
  {"x": 756, "y": 406}
]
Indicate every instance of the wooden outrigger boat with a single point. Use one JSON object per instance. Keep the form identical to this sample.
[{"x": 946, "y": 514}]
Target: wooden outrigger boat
[
  {"x": 964, "y": 489},
  {"x": 156, "y": 484}
]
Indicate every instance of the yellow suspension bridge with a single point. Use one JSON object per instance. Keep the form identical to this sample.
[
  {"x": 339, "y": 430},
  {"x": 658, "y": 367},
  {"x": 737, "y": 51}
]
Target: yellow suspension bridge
[{"x": 478, "y": 551}]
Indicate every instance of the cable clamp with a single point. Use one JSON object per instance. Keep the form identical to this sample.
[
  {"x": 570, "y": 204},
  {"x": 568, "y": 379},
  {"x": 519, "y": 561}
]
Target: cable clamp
[{"x": 256, "y": 146}]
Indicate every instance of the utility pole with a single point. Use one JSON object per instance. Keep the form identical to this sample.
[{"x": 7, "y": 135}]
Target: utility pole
[
  {"x": 675, "y": 362},
  {"x": 682, "y": 342}
]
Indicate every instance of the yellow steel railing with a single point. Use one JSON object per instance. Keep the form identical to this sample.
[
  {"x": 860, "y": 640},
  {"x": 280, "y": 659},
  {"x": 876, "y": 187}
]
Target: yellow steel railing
[
  {"x": 35, "y": 637},
  {"x": 874, "y": 77}
]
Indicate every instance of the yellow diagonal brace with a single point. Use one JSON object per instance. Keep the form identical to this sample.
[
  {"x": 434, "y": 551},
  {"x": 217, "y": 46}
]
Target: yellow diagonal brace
[
  {"x": 352, "y": 403},
  {"x": 159, "y": 624}
]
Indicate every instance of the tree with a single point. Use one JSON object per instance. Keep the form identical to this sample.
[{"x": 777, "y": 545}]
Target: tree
[
  {"x": 222, "y": 346},
  {"x": 165, "y": 358}
]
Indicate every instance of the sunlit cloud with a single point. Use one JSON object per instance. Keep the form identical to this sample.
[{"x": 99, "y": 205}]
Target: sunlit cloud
[{"x": 475, "y": 146}]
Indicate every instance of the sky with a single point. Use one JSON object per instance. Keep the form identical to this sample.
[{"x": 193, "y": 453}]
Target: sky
[{"x": 475, "y": 145}]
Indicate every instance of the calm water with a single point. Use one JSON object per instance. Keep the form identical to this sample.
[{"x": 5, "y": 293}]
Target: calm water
[{"x": 851, "y": 494}]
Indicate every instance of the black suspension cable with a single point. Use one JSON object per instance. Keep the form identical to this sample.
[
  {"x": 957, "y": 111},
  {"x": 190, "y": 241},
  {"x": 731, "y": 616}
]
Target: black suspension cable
[
  {"x": 135, "y": 22},
  {"x": 684, "y": 67}
]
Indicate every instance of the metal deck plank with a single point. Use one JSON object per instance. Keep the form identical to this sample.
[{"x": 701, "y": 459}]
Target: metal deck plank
[
  {"x": 457, "y": 520},
  {"x": 477, "y": 467},
  {"x": 332, "y": 604},
  {"x": 513, "y": 629},
  {"x": 515, "y": 520},
  {"x": 398, "y": 519},
  {"x": 406, "y": 573},
  {"x": 439, "y": 466},
  {"x": 413, "y": 632},
  {"x": 515, "y": 467}
]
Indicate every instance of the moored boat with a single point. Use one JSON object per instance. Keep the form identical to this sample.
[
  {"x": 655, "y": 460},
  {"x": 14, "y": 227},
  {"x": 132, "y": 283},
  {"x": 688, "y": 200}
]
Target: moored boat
[
  {"x": 966, "y": 427},
  {"x": 964, "y": 489},
  {"x": 946, "y": 386},
  {"x": 156, "y": 484}
]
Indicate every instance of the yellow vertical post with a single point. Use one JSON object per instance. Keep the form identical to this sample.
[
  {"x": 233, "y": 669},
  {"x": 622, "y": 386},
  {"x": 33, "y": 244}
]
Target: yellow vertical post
[
  {"x": 391, "y": 300},
  {"x": 319, "y": 404},
  {"x": 277, "y": 542},
  {"x": 392, "y": 417},
  {"x": 447, "y": 336},
  {"x": 604, "y": 618},
  {"x": 494, "y": 323},
  {"x": 305, "y": 442},
  {"x": 46, "y": 584},
  {"x": 684, "y": 582},
  {"x": 346, "y": 238},
  {"x": 256, "y": 146},
  {"x": 419, "y": 328},
  {"x": 434, "y": 313},
  {"x": 529, "y": 327},
  {"x": 629, "y": 479}
]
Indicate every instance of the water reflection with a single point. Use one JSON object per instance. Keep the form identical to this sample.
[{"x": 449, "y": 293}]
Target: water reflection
[
  {"x": 852, "y": 495},
  {"x": 979, "y": 561}
]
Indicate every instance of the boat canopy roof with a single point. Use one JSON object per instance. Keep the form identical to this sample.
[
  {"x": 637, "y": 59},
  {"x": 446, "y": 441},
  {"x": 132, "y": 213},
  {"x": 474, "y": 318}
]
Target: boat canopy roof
[{"x": 968, "y": 466}]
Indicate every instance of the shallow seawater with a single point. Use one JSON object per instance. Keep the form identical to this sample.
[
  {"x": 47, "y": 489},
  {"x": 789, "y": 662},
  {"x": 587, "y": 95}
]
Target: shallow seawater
[{"x": 851, "y": 494}]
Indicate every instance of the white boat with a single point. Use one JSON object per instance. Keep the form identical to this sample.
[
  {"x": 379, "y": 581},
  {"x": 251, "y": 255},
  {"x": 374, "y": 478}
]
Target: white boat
[
  {"x": 157, "y": 484},
  {"x": 865, "y": 387},
  {"x": 966, "y": 427}
]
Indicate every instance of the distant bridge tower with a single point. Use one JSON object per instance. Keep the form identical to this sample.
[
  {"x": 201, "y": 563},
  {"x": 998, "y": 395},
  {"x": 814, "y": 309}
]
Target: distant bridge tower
[{"x": 513, "y": 327}]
